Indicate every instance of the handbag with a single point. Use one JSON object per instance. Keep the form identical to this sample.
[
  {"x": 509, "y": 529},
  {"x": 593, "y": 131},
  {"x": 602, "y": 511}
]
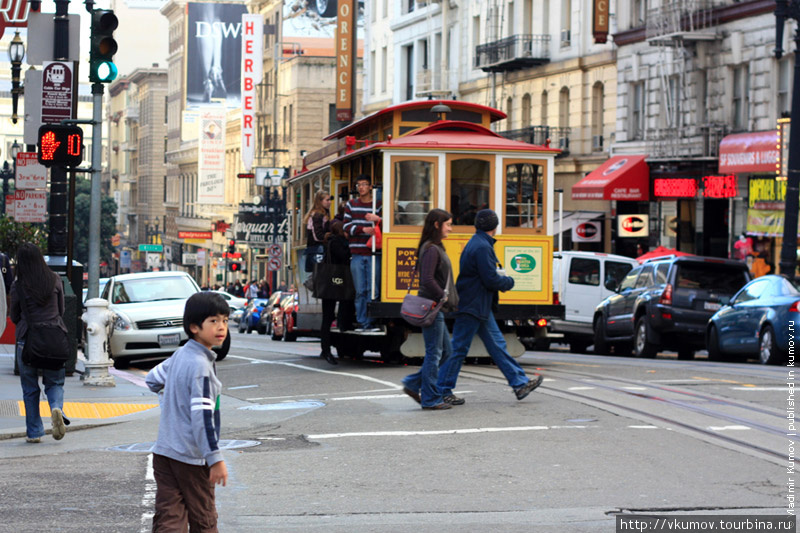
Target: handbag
[
  {"x": 418, "y": 310},
  {"x": 46, "y": 344},
  {"x": 333, "y": 281}
]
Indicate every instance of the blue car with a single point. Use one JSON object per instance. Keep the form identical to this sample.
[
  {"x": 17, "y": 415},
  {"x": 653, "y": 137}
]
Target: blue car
[
  {"x": 252, "y": 313},
  {"x": 758, "y": 320}
]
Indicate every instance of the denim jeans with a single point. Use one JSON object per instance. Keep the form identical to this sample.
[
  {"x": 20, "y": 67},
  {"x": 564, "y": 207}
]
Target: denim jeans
[
  {"x": 53, "y": 387},
  {"x": 437, "y": 350},
  {"x": 361, "y": 268},
  {"x": 464, "y": 329}
]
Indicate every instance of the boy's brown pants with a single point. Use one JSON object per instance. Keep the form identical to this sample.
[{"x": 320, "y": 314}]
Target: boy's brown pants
[{"x": 184, "y": 496}]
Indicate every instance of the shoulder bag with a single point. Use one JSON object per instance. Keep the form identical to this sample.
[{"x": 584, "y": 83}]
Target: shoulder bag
[
  {"x": 46, "y": 344},
  {"x": 417, "y": 310},
  {"x": 333, "y": 281}
]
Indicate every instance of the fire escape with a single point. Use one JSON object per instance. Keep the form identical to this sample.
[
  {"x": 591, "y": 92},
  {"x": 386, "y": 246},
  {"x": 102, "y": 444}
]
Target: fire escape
[{"x": 675, "y": 27}]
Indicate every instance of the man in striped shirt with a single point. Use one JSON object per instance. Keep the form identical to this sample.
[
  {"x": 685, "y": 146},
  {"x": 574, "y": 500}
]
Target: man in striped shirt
[{"x": 359, "y": 226}]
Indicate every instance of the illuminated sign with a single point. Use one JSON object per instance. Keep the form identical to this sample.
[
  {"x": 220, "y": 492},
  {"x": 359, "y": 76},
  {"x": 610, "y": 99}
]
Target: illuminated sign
[
  {"x": 633, "y": 226},
  {"x": 60, "y": 145},
  {"x": 720, "y": 186},
  {"x": 674, "y": 187}
]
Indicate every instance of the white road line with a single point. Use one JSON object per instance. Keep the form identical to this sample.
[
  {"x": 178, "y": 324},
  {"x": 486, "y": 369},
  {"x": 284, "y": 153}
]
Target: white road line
[
  {"x": 426, "y": 433},
  {"x": 784, "y": 388},
  {"x": 322, "y": 394},
  {"x": 375, "y": 397},
  {"x": 728, "y": 428},
  {"x": 634, "y": 388},
  {"x": 643, "y": 427},
  {"x": 581, "y": 388},
  {"x": 243, "y": 387},
  {"x": 149, "y": 498},
  {"x": 312, "y": 369}
]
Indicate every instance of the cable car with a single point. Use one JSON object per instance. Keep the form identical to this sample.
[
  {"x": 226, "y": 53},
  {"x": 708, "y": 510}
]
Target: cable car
[{"x": 435, "y": 154}]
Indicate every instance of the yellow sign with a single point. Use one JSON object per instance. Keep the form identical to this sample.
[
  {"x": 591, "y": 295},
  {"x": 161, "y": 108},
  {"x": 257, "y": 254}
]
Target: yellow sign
[{"x": 527, "y": 259}]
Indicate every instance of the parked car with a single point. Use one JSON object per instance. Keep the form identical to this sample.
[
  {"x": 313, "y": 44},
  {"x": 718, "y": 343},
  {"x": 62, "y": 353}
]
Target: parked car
[
  {"x": 666, "y": 304},
  {"x": 236, "y": 315},
  {"x": 234, "y": 302},
  {"x": 581, "y": 280},
  {"x": 755, "y": 321},
  {"x": 265, "y": 321},
  {"x": 283, "y": 317},
  {"x": 102, "y": 282},
  {"x": 149, "y": 308},
  {"x": 251, "y": 315}
]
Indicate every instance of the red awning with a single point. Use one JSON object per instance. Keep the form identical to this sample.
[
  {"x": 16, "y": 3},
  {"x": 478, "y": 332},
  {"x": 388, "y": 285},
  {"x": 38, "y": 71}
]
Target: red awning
[
  {"x": 623, "y": 177},
  {"x": 749, "y": 152}
]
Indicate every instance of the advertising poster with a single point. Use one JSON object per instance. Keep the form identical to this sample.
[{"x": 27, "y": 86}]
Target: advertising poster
[
  {"x": 214, "y": 53},
  {"x": 211, "y": 163},
  {"x": 524, "y": 264}
]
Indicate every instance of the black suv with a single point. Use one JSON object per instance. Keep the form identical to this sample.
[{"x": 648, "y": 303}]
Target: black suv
[{"x": 666, "y": 304}]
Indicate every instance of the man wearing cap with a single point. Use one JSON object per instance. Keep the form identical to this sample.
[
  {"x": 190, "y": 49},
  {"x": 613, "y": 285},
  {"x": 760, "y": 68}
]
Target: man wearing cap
[{"x": 479, "y": 280}]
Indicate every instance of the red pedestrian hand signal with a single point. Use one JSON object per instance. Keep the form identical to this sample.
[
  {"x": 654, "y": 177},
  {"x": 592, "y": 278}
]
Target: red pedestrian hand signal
[{"x": 49, "y": 145}]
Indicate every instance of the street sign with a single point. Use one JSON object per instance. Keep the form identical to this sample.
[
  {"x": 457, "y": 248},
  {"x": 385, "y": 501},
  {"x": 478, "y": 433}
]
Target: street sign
[
  {"x": 274, "y": 264},
  {"x": 30, "y": 206},
  {"x": 56, "y": 92},
  {"x": 10, "y": 205},
  {"x": 125, "y": 259},
  {"x": 33, "y": 105},
  {"x": 30, "y": 174},
  {"x": 153, "y": 261},
  {"x": 275, "y": 250},
  {"x": 195, "y": 235},
  {"x": 151, "y": 247}
]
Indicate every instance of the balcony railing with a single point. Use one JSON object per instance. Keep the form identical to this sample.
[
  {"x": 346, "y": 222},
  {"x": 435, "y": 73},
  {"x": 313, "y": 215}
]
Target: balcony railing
[
  {"x": 513, "y": 53},
  {"x": 689, "y": 20},
  {"x": 693, "y": 142},
  {"x": 432, "y": 82},
  {"x": 557, "y": 137}
]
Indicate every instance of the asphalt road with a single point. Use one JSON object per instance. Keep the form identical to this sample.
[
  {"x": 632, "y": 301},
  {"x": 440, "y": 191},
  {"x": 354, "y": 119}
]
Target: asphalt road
[{"x": 342, "y": 449}]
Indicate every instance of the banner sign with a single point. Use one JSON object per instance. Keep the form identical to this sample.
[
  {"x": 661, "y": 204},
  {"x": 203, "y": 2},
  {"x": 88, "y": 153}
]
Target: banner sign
[
  {"x": 766, "y": 193},
  {"x": 30, "y": 206},
  {"x": 30, "y": 173},
  {"x": 252, "y": 66},
  {"x": 213, "y": 42},
  {"x": 600, "y": 21},
  {"x": 211, "y": 159},
  {"x": 633, "y": 226},
  {"x": 345, "y": 60}
]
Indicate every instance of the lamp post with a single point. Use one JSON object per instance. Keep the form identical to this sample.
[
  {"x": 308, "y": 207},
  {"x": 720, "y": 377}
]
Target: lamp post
[
  {"x": 16, "y": 51},
  {"x": 6, "y": 174},
  {"x": 790, "y": 9}
]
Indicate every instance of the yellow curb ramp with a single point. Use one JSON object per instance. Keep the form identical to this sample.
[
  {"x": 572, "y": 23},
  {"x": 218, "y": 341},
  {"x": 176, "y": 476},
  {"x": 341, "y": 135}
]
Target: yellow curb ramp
[{"x": 92, "y": 409}]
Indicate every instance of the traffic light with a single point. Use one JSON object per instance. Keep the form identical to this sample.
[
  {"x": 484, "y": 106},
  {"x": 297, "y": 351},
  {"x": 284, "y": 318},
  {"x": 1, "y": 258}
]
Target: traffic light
[
  {"x": 231, "y": 246},
  {"x": 60, "y": 145},
  {"x": 103, "y": 47},
  {"x": 235, "y": 267}
]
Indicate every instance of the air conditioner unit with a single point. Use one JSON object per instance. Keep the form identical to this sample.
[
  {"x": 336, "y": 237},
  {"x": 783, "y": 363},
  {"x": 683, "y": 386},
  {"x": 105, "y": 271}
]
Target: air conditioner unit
[
  {"x": 563, "y": 143},
  {"x": 597, "y": 143},
  {"x": 565, "y": 37}
]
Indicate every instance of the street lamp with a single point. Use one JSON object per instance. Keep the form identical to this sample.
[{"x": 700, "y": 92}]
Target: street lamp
[
  {"x": 790, "y": 9},
  {"x": 6, "y": 174},
  {"x": 16, "y": 51}
]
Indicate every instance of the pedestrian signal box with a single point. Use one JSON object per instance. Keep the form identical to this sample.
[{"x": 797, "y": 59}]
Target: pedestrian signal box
[{"x": 60, "y": 145}]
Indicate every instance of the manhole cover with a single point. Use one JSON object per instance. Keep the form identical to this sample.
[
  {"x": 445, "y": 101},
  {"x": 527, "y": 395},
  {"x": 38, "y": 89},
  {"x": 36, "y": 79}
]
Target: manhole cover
[
  {"x": 147, "y": 447},
  {"x": 283, "y": 406}
]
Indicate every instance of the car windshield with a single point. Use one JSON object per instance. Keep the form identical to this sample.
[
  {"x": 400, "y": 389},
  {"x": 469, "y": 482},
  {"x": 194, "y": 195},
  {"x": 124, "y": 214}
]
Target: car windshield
[
  {"x": 710, "y": 277},
  {"x": 153, "y": 289}
]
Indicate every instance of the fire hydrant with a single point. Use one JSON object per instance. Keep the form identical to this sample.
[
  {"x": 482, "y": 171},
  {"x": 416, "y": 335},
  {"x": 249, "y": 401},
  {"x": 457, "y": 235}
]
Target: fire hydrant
[{"x": 99, "y": 321}]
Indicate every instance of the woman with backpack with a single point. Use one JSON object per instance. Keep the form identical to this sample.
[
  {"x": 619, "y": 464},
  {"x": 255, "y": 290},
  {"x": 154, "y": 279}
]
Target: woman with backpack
[
  {"x": 37, "y": 299},
  {"x": 435, "y": 283}
]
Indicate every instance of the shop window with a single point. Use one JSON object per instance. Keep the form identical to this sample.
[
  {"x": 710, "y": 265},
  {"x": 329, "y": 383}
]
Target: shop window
[
  {"x": 413, "y": 191},
  {"x": 469, "y": 189},
  {"x": 524, "y": 196}
]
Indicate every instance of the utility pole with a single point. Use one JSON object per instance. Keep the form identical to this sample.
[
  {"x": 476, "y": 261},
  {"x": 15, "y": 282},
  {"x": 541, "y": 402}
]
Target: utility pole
[{"x": 790, "y": 9}]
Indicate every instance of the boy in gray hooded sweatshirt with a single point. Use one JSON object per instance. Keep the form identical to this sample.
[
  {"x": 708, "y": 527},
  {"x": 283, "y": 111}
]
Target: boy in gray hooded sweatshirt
[{"x": 187, "y": 462}]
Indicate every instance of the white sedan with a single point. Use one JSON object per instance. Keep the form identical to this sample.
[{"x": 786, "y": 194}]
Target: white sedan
[{"x": 234, "y": 302}]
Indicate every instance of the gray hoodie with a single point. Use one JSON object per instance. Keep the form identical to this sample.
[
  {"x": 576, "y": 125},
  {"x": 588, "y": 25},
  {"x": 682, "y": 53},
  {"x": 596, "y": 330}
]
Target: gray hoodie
[{"x": 189, "y": 393}]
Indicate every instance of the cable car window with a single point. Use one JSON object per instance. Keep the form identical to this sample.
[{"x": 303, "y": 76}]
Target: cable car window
[
  {"x": 469, "y": 189},
  {"x": 466, "y": 116},
  {"x": 524, "y": 190},
  {"x": 413, "y": 192},
  {"x": 418, "y": 115}
]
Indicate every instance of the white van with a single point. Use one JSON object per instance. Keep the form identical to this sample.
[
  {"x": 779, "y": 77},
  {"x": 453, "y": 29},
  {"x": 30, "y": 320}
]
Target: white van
[{"x": 582, "y": 280}]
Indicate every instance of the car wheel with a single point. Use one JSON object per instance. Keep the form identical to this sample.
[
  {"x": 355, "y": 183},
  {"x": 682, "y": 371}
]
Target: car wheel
[
  {"x": 222, "y": 351},
  {"x": 601, "y": 346},
  {"x": 768, "y": 352},
  {"x": 275, "y": 335},
  {"x": 262, "y": 330},
  {"x": 641, "y": 346},
  {"x": 241, "y": 326},
  {"x": 287, "y": 335},
  {"x": 325, "y": 8},
  {"x": 121, "y": 364},
  {"x": 712, "y": 345},
  {"x": 269, "y": 327}
]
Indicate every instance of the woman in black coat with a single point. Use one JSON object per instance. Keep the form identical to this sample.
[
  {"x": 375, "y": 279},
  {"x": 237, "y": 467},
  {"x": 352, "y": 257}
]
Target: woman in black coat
[
  {"x": 338, "y": 250},
  {"x": 37, "y": 297}
]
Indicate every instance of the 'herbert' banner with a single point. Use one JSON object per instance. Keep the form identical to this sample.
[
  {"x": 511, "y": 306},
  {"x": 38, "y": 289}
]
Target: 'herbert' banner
[{"x": 252, "y": 66}]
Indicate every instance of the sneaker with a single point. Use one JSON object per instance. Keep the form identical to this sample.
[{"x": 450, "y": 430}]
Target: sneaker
[
  {"x": 59, "y": 428},
  {"x": 452, "y": 399},
  {"x": 360, "y": 330},
  {"x": 414, "y": 395},
  {"x": 526, "y": 389},
  {"x": 438, "y": 407},
  {"x": 34, "y": 440}
]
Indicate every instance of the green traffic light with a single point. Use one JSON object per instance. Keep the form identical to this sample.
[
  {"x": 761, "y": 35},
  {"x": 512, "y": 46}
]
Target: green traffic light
[
  {"x": 103, "y": 46},
  {"x": 106, "y": 71}
]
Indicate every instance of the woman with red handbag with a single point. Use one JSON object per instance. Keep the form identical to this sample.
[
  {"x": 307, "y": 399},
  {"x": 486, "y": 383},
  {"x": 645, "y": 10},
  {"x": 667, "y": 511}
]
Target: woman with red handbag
[{"x": 436, "y": 283}]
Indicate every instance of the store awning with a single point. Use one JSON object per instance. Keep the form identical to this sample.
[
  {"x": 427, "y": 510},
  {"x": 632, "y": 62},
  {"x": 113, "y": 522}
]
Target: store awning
[
  {"x": 749, "y": 152},
  {"x": 623, "y": 177}
]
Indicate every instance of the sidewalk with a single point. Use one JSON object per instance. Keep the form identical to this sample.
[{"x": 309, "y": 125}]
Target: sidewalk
[{"x": 85, "y": 406}]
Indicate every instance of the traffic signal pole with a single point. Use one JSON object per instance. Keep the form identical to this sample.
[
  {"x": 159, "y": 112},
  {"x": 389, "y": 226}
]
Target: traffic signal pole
[{"x": 95, "y": 197}]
